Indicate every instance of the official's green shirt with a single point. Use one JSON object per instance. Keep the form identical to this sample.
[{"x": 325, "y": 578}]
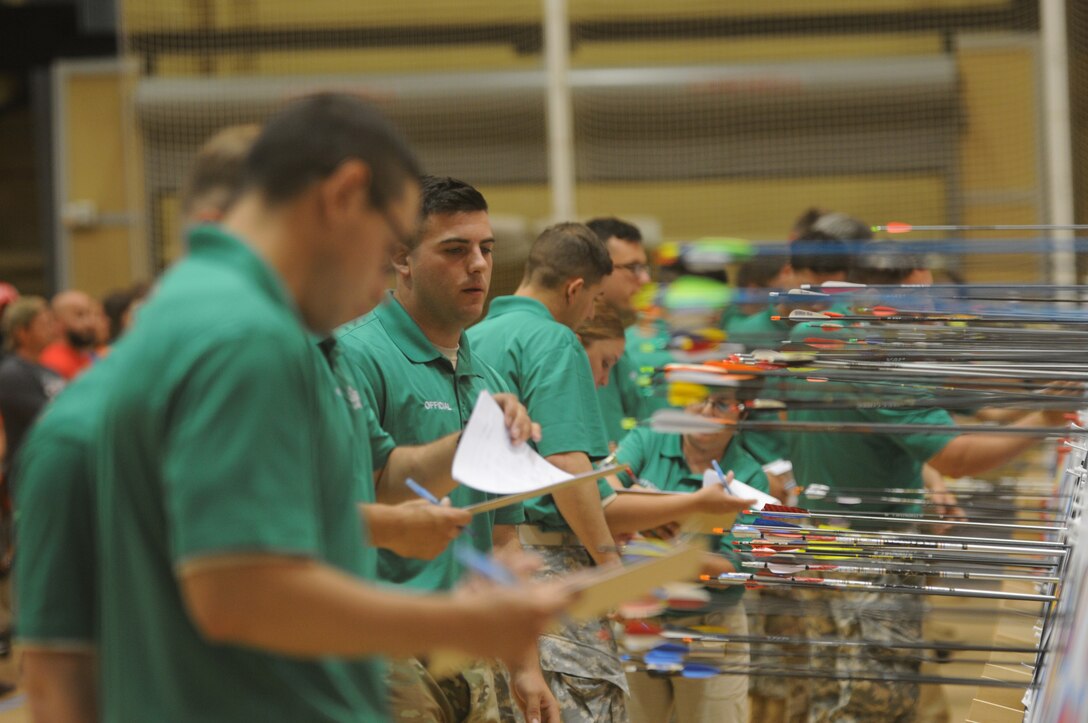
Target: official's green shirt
[
  {"x": 759, "y": 330},
  {"x": 620, "y": 399},
  {"x": 420, "y": 397},
  {"x": 56, "y": 600},
  {"x": 543, "y": 362},
  {"x": 230, "y": 435},
  {"x": 658, "y": 459},
  {"x": 648, "y": 350}
]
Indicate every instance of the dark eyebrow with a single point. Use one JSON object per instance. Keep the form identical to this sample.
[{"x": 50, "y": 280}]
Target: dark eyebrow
[{"x": 459, "y": 240}]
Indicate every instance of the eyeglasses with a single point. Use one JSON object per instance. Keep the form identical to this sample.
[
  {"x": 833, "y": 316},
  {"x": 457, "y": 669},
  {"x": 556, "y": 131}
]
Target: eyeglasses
[
  {"x": 720, "y": 406},
  {"x": 634, "y": 267}
]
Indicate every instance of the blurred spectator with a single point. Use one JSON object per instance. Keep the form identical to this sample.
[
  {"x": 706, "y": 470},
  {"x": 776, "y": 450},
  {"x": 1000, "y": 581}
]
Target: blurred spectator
[
  {"x": 216, "y": 176},
  {"x": 8, "y": 294},
  {"x": 74, "y": 350},
  {"x": 119, "y": 306},
  {"x": 765, "y": 271},
  {"x": 25, "y": 385}
]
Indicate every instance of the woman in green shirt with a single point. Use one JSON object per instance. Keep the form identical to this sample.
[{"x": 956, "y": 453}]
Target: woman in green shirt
[{"x": 677, "y": 463}]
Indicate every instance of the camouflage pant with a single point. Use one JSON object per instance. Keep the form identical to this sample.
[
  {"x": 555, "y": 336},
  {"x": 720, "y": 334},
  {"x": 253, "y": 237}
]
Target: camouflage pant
[
  {"x": 721, "y": 699},
  {"x": 477, "y": 694},
  {"x": 875, "y": 618},
  {"x": 580, "y": 662}
]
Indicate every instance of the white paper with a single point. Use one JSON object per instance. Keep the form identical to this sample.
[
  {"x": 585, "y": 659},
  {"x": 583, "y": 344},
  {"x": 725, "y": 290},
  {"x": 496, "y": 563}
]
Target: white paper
[
  {"x": 488, "y": 461},
  {"x": 741, "y": 490}
]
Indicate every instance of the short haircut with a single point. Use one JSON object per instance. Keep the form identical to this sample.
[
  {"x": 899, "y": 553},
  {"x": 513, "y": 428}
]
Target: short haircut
[
  {"x": 820, "y": 253},
  {"x": 216, "y": 176},
  {"x": 843, "y": 227},
  {"x": 884, "y": 262},
  {"x": 20, "y": 314},
  {"x": 310, "y": 138},
  {"x": 605, "y": 324},
  {"x": 802, "y": 225},
  {"x": 443, "y": 194},
  {"x": 760, "y": 270},
  {"x": 567, "y": 251},
  {"x": 612, "y": 227}
]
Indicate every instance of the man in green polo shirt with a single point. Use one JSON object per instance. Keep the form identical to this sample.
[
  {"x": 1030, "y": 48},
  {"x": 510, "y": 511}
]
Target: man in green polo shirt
[
  {"x": 677, "y": 463},
  {"x": 528, "y": 339},
  {"x": 421, "y": 376},
  {"x": 619, "y": 398},
  {"x": 230, "y": 545}
]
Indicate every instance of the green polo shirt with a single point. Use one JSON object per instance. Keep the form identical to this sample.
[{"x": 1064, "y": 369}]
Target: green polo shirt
[
  {"x": 56, "y": 602},
  {"x": 543, "y": 362},
  {"x": 230, "y": 435},
  {"x": 648, "y": 350},
  {"x": 659, "y": 459},
  {"x": 759, "y": 330},
  {"x": 419, "y": 397},
  {"x": 619, "y": 399}
]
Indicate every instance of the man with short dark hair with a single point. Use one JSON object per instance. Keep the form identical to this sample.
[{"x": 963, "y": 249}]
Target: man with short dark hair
[
  {"x": 619, "y": 399},
  {"x": 73, "y": 352},
  {"x": 231, "y": 550},
  {"x": 529, "y": 339},
  {"x": 422, "y": 379}
]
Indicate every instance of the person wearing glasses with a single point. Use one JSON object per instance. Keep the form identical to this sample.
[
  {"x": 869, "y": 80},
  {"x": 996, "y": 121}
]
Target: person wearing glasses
[
  {"x": 619, "y": 397},
  {"x": 677, "y": 463},
  {"x": 232, "y": 564}
]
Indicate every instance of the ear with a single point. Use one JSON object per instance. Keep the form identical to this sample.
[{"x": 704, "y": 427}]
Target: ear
[
  {"x": 573, "y": 287},
  {"x": 400, "y": 261},
  {"x": 345, "y": 190}
]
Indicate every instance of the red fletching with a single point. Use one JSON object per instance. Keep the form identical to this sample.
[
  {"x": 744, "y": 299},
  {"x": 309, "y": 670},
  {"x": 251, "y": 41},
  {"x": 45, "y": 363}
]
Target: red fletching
[{"x": 898, "y": 227}]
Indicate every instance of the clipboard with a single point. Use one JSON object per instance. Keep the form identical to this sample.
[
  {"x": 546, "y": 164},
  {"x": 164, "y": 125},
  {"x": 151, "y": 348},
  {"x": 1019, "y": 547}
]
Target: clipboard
[{"x": 506, "y": 500}]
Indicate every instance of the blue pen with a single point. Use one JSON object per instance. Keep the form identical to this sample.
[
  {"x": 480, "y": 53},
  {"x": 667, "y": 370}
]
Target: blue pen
[
  {"x": 721, "y": 475},
  {"x": 422, "y": 491},
  {"x": 427, "y": 495},
  {"x": 482, "y": 565}
]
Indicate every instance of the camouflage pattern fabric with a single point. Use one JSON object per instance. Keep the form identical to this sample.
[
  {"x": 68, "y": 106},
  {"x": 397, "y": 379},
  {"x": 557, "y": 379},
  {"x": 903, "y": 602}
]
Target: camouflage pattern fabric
[
  {"x": 478, "y": 694},
  {"x": 580, "y": 661},
  {"x": 876, "y": 618}
]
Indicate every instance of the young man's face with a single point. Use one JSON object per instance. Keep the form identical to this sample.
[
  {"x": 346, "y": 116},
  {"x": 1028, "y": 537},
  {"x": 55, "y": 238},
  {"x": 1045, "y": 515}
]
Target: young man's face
[
  {"x": 580, "y": 301},
  {"x": 448, "y": 274},
  {"x": 629, "y": 273}
]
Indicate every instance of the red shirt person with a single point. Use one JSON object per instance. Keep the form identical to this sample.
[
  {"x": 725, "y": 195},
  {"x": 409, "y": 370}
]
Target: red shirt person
[{"x": 74, "y": 350}]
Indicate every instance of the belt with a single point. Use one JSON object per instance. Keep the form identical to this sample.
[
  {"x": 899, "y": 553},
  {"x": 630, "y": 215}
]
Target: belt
[{"x": 534, "y": 535}]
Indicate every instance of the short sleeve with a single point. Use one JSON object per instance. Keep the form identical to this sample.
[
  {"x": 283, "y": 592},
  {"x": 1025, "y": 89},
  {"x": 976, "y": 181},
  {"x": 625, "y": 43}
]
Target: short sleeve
[
  {"x": 632, "y": 451},
  {"x": 238, "y": 452},
  {"x": 55, "y": 568},
  {"x": 510, "y": 515},
  {"x": 381, "y": 443},
  {"x": 559, "y": 393},
  {"x": 920, "y": 446}
]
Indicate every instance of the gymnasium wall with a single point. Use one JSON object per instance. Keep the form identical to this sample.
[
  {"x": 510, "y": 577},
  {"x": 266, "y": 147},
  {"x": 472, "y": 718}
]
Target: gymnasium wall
[{"x": 952, "y": 137}]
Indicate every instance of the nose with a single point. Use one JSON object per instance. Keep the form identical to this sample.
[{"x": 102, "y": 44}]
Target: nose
[
  {"x": 643, "y": 277},
  {"x": 476, "y": 260}
]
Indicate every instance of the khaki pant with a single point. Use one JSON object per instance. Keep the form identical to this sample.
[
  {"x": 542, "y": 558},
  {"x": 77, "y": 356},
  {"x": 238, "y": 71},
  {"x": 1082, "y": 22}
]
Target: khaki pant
[{"x": 721, "y": 699}]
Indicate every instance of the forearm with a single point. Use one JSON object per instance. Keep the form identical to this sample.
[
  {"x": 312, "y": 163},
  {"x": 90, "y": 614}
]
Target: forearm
[
  {"x": 580, "y": 506},
  {"x": 428, "y": 464},
  {"x": 715, "y": 564},
  {"x": 635, "y": 513},
  {"x": 976, "y": 453},
  {"x": 384, "y": 523},
  {"x": 61, "y": 687},
  {"x": 258, "y": 605}
]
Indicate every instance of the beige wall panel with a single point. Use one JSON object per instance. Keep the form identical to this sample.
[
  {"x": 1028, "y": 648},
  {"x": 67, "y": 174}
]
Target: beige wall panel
[
  {"x": 151, "y": 15},
  {"x": 999, "y": 268},
  {"x": 756, "y": 209},
  {"x": 96, "y": 163},
  {"x": 100, "y": 260},
  {"x": 999, "y": 149}
]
